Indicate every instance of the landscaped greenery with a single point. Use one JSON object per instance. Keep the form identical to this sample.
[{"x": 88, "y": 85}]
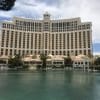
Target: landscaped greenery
[
  {"x": 68, "y": 62},
  {"x": 43, "y": 57},
  {"x": 97, "y": 63},
  {"x": 15, "y": 62}
]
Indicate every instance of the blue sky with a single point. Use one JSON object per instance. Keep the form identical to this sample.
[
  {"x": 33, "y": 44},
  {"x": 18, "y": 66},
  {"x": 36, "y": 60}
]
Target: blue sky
[
  {"x": 96, "y": 48},
  {"x": 88, "y": 10}
]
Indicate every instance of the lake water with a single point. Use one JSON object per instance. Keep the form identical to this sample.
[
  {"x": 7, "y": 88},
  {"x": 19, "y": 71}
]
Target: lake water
[{"x": 50, "y": 85}]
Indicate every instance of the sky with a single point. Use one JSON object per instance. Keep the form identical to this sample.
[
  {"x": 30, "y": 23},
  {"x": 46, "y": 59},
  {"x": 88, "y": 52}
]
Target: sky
[{"x": 88, "y": 10}]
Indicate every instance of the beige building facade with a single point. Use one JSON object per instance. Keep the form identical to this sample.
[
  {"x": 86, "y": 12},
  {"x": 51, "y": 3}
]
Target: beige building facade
[{"x": 57, "y": 37}]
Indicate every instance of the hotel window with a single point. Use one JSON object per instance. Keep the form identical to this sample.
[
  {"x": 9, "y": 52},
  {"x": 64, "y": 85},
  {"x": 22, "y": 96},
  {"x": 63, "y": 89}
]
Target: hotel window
[
  {"x": 8, "y": 26},
  {"x": 88, "y": 26},
  {"x": 84, "y": 39},
  {"x": 56, "y": 41},
  {"x": 3, "y": 38},
  {"x": 79, "y": 27},
  {"x": 64, "y": 53},
  {"x": 64, "y": 26},
  {"x": 17, "y": 22},
  {"x": 20, "y": 36},
  {"x": 39, "y": 41},
  {"x": 89, "y": 52},
  {"x": 64, "y": 41},
  {"x": 55, "y": 27},
  {"x": 71, "y": 40},
  {"x": 75, "y": 39},
  {"x": 60, "y": 27},
  {"x": 40, "y": 27},
  {"x": 80, "y": 51},
  {"x": 36, "y": 27},
  {"x": 83, "y": 26},
  {"x": 45, "y": 52},
  {"x": 88, "y": 37},
  {"x": 68, "y": 53},
  {"x": 24, "y": 38},
  {"x": 84, "y": 52},
  {"x": 52, "y": 41},
  {"x": 4, "y": 25},
  {"x": 31, "y": 40},
  {"x": 6, "y": 52},
  {"x": 60, "y": 41},
  {"x": 36, "y": 41},
  {"x": 60, "y": 52},
  {"x": 46, "y": 40},
  {"x": 75, "y": 53},
  {"x": 2, "y": 50},
  {"x": 67, "y": 26},
  {"x": 46, "y": 26},
  {"x": 52, "y": 52},
  {"x": 16, "y": 39},
  {"x": 56, "y": 52},
  {"x": 19, "y": 52},
  {"x": 12, "y": 26},
  {"x": 32, "y": 26},
  {"x": 68, "y": 40},
  {"x": 11, "y": 52},
  {"x": 15, "y": 52},
  {"x": 12, "y": 36},
  {"x": 75, "y": 25},
  {"x": 7, "y": 40},
  {"x": 35, "y": 52},
  {"x": 27, "y": 40},
  {"x": 80, "y": 40},
  {"x": 31, "y": 52}
]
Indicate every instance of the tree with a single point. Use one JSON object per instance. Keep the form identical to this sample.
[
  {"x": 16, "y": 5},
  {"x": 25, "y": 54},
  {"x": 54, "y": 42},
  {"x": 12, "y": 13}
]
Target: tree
[
  {"x": 15, "y": 62},
  {"x": 6, "y": 4},
  {"x": 43, "y": 57},
  {"x": 10, "y": 63},
  {"x": 68, "y": 62},
  {"x": 97, "y": 61}
]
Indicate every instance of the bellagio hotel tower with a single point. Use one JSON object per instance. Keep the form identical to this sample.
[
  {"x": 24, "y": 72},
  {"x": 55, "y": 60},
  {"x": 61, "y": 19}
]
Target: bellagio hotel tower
[{"x": 57, "y": 37}]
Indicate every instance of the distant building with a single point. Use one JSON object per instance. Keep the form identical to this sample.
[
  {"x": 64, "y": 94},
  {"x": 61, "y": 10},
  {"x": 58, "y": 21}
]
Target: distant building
[
  {"x": 57, "y": 37},
  {"x": 52, "y": 61},
  {"x": 82, "y": 62}
]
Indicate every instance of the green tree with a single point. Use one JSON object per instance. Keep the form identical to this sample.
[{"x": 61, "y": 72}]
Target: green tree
[
  {"x": 68, "y": 62},
  {"x": 15, "y": 62},
  {"x": 97, "y": 64},
  {"x": 97, "y": 61},
  {"x": 43, "y": 57},
  {"x": 10, "y": 63}
]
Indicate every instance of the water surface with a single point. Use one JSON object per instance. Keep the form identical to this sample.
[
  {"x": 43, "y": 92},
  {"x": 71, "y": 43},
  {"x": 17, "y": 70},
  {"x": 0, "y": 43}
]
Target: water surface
[{"x": 50, "y": 85}]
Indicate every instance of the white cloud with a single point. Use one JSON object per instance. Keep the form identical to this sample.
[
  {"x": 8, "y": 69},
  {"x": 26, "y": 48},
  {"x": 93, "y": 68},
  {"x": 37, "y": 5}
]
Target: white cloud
[
  {"x": 96, "y": 53},
  {"x": 88, "y": 10}
]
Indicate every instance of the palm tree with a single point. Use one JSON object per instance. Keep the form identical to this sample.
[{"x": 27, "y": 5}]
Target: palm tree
[
  {"x": 43, "y": 57},
  {"x": 68, "y": 62}
]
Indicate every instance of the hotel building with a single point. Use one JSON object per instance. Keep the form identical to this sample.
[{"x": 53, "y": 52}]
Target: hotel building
[{"x": 57, "y": 37}]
